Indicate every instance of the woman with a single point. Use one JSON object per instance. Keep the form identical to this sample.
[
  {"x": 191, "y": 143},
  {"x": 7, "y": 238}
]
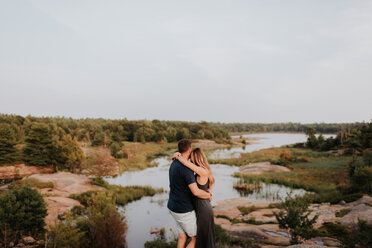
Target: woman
[{"x": 205, "y": 237}]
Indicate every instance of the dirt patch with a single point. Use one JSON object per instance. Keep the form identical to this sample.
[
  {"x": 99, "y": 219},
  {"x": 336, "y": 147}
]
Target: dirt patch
[
  {"x": 261, "y": 167},
  {"x": 65, "y": 184},
  {"x": 21, "y": 170}
]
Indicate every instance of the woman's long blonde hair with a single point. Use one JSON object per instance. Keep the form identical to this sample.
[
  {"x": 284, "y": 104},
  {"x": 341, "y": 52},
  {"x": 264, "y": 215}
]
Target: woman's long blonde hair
[{"x": 198, "y": 158}]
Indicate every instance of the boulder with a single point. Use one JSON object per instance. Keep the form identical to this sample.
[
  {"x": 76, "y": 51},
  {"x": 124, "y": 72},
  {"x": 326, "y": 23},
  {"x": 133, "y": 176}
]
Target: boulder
[
  {"x": 28, "y": 240},
  {"x": 261, "y": 167},
  {"x": 247, "y": 232},
  {"x": 230, "y": 207},
  {"x": 154, "y": 231},
  {"x": 307, "y": 246},
  {"x": 363, "y": 200},
  {"x": 361, "y": 211}
]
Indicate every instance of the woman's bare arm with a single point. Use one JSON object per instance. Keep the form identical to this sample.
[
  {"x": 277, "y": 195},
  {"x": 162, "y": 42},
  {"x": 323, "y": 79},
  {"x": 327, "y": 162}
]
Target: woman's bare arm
[{"x": 198, "y": 170}]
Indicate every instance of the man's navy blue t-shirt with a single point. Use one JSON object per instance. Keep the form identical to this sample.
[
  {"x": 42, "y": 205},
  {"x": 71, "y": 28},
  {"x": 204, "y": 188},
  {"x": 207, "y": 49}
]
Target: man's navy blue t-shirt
[{"x": 180, "y": 196}]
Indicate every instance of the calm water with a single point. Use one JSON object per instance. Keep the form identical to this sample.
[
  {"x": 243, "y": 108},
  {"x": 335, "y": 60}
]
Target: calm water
[
  {"x": 151, "y": 212},
  {"x": 266, "y": 140}
]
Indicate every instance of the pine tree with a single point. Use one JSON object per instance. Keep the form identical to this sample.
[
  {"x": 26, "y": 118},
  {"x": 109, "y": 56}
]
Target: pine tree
[
  {"x": 39, "y": 146},
  {"x": 8, "y": 152}
]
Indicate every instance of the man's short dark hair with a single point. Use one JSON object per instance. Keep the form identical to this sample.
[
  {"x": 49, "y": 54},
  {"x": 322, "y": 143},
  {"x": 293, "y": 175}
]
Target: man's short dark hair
[{"x": 184, "y": 145}]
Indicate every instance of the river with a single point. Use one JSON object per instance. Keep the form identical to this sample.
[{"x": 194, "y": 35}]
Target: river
[{"x": 152, "y": 213}]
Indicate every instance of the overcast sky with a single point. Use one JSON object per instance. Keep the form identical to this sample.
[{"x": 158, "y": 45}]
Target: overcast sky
[{"x": 218, "y": 60}]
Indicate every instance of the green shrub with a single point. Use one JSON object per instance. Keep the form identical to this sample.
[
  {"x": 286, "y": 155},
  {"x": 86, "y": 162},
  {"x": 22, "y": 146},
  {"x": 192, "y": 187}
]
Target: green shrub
[
  {"x": 99, "y": 181},
  {"x": 343, "y": 212}
]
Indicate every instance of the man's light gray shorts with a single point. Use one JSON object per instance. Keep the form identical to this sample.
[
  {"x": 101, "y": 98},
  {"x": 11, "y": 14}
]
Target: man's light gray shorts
[{"x": 186, "y": 222}]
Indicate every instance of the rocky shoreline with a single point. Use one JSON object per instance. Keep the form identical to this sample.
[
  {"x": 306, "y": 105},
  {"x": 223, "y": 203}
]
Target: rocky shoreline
[
  {"x": 18, "y": 171},
  {"x": 259, "y": 224}
]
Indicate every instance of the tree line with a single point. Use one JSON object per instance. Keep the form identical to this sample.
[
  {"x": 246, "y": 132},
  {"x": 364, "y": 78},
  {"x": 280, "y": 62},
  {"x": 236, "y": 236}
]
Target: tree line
[
  {"x": 101, "y": 131},
  {"x": 285, "y": 127},
  {"x": 55, "y": 141},
  {"x": 353, "y": 139}
]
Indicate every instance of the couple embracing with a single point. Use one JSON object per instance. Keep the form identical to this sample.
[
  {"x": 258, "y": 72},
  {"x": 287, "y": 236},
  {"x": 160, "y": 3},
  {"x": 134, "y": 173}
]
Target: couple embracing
[{"x": 190, "y": 196}]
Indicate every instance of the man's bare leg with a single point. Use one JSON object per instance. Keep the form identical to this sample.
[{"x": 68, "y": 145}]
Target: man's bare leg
[
  {"x": 192, "y": 243},
  {"x": 182, "y": 238}
]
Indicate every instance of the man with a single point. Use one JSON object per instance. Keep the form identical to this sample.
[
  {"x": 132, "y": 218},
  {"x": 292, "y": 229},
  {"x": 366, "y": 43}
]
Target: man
[{"x": 183, "y": 188}]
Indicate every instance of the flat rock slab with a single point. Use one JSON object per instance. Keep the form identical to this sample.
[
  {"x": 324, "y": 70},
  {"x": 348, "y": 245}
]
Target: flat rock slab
[
  {"x": 230, "y": 207},
  {"x": 65, "y": 184},
  {"x": 57, "y": 205},
  {"x": 261, "y": 167}
]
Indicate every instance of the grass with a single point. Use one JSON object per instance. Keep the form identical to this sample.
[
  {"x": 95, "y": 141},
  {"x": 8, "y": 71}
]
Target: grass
[
  {"x": 248, "y": 210},
  {"x": 324, "y": 174},
  {"x": 123, "y": 195},
  {"x": 343, "y": 212},
  {"x": 270, "y": 154},
  {"x": 34, "y": 183},
  {"x": 139, "y": 156},
  {"x": 273, "y": 155}
]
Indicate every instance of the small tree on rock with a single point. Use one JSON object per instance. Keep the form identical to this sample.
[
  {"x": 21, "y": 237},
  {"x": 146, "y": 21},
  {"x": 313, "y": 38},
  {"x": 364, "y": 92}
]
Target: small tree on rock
[{"x": 295, "y": 218}]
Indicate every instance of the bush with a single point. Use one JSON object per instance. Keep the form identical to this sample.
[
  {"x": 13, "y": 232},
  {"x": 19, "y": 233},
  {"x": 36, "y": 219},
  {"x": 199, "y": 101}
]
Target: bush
[
  {"x": 116, "y": 150},
  {"x": 99, "y": 181},
  {"x": 106, "y": 226},
  {"x": 65, "y": 234},
  {"x": 367, "y": 157},
  {"x": 296, "y": 218},
  {"x": 360, "y": 236},
  {"x": 361, "y": 181},
  {"x": 22, "y": 212},
  {"x": 335, "y": 230}
]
